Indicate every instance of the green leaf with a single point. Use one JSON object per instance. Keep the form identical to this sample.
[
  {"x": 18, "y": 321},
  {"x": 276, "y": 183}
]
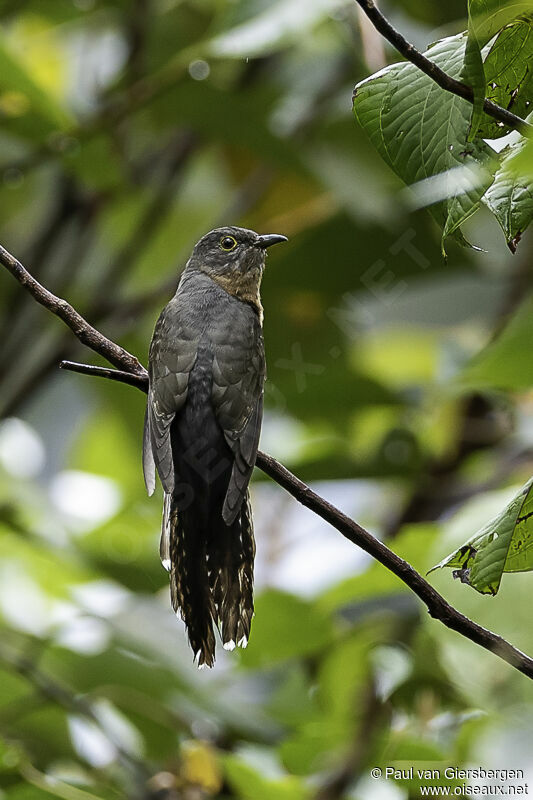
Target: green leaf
[
  {"x": 506, "y": 363},
  {"x": 473, "y": 74},
  {"x": 311, "y": 748},
  {"x": 285, "y": 627},
  {"x": 523, "y": 160},
  {"x": 487, "y": 17},
  {"x": 248, "y": 784},
  {"x": 345, "y": 667},
  {"x": 510, "y": 197},
  {"x": 505, "y": 544},
  {"x": 508, "y": 74},
  {"x": 421, "y": 131}
]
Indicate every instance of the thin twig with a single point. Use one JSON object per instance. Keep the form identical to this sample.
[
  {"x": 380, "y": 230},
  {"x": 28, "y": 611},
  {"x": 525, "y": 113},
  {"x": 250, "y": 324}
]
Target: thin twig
[
  {"x": 434, "y": 72},
  {"x": 437, "y": 606},
  {"x": 87, "y": 335},
  {"x": 132, "y": 379}
]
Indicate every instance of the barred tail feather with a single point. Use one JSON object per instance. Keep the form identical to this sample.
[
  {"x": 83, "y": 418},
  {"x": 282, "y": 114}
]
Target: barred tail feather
[
  {"x": 189, "y": 583},
  {"x": 211, "y": 576},
  {"x": 230, "y": 559}
]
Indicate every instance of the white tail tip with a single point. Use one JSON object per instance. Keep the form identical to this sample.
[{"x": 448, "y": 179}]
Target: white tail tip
[
  {"x": 229, "y": 645},
  {"x": 243, "y": 642}
]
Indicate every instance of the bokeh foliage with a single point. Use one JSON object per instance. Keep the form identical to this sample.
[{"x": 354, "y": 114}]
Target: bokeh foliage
[
  {"x": 437, "y": 142},
  {"x": 128, "y": 128}
]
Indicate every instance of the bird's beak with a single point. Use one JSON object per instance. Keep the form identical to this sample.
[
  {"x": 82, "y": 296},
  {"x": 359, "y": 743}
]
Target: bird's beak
[{"x": 269, "y": 239}]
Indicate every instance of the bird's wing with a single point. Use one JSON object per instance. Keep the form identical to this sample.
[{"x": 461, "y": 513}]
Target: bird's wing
[
  {"x": 238, "y": 378},
  {"x": 172, "y": 355},
  {"x": 148, "y": 457}
]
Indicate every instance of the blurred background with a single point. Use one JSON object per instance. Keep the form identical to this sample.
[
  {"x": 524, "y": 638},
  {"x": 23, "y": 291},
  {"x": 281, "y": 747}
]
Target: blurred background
[{"x": 128, "y": 128}]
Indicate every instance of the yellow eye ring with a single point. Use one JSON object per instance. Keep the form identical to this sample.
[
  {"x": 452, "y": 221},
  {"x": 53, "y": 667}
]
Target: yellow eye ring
[{"x": 228, "y": 243}]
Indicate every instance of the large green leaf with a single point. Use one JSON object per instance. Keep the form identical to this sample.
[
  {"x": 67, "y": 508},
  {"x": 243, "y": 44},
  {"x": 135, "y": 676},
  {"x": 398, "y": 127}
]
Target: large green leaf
[
  {"x": 421, "y": 131},
  {"x": 510, "y": 197},
  {"x": 505, "y": 544},
  {"x": 508, "y": 74},
  {"x": 473, "y": 74},
  {"x": 487, "y": 17}
]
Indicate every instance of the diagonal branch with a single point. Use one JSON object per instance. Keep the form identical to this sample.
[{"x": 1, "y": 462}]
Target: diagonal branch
[
  {"x": 437, "y": 606},
  {"x": 440, "y": 77},
  {"x": 87, "y": 335},
  {"x": 132, "y": 372}
]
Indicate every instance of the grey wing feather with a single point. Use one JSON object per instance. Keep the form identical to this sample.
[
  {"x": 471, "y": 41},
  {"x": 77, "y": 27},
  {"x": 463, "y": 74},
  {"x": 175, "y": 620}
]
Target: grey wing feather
[
  {"x": 244, "y": 447},
  {"x": 159, "y": 424},
  {"x": 148, "y": 458},
  {"x": 238, "y": 378},
  {"x": 172, "y": 356}
]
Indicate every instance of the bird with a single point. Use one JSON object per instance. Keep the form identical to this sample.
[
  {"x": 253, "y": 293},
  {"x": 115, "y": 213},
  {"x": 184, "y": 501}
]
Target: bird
[{"x": 206, "y": 371}]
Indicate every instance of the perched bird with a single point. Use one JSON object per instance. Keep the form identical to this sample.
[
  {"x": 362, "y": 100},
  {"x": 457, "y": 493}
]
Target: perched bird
[{"x": 201, "y": 432}]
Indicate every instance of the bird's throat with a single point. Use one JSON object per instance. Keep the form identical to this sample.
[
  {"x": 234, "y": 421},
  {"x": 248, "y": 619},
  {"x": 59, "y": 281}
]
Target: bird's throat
[{"x": 244, "y": 287}]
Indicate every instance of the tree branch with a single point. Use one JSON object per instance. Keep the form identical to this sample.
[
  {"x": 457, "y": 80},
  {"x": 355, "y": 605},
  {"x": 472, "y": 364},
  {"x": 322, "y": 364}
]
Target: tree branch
[
  {"x": 437, "y": 606},
  {"x": 140, "y": 380},
  {"x": 132, "y": 372},
  {"x": 87, "y": 335},
  {"x": 434, "y": 72}
]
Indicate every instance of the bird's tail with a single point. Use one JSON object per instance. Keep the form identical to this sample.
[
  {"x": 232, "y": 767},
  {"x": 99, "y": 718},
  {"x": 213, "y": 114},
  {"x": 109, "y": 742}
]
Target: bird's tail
[
  {"x": 230, "y": 558},
  {"x": 211, "y": 576},
  {"x": 183, "y": 553}
]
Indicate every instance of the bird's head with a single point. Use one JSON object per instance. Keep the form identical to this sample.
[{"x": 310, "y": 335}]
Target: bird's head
[{"x": 234, "y": 258}]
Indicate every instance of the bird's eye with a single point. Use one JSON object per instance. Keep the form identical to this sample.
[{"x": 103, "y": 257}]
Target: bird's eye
[{"x": 228, "y": 243}]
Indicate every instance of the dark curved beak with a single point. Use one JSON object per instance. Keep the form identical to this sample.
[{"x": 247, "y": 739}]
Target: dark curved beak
[{"x": 269, "y": 239}]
